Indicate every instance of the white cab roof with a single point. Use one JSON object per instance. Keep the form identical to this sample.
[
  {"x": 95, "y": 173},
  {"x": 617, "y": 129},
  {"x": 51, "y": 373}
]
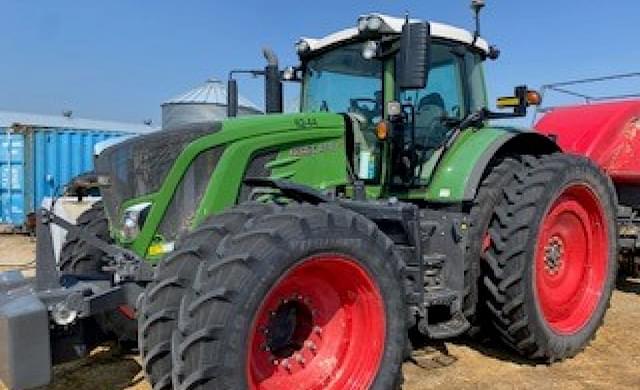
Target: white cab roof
[{"x": 438, "y": 30}]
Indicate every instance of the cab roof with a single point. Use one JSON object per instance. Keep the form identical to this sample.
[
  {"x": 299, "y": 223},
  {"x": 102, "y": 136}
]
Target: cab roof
[{"x": 438, "y": 30}]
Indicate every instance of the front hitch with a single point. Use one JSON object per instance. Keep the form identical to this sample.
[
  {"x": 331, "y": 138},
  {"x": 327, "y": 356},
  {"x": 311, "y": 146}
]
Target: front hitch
[{"x": 43, "y": 321}]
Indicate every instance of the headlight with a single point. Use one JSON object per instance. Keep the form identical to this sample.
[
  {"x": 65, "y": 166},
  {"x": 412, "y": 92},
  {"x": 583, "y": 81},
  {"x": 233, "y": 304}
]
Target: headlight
[
  {"x": 370, "y": 50},
  {"x": 133, "y": 219}
]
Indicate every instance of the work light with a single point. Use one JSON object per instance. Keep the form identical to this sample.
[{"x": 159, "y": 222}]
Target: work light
[{"x": 133, "y": 219}]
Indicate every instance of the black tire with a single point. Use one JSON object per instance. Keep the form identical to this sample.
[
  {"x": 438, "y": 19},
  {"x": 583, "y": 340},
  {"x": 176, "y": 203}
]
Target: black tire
[
  {"x": 79, "y": 258},
  {"x": 158, "y": 309},
  {"x": 484, "y": 204},
  {"x": 76, "y": 256},
  {"x": 210, "y": 347},
  {"x": 513, "y": 300}
]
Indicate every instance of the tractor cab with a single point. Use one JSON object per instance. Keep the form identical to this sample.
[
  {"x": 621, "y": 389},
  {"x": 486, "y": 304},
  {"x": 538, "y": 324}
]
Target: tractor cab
[{"x": 405, "y": 86}]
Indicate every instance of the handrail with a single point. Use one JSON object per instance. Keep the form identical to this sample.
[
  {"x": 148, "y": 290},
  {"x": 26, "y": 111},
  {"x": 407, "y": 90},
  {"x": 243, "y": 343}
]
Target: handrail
[{"x": 562, "y": 87}]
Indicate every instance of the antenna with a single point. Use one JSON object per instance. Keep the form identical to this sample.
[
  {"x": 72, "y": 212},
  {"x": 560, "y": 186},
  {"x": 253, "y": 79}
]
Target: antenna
[{"x": 477, "y": 6}]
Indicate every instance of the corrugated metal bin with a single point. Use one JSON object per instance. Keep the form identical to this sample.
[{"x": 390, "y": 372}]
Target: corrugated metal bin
[{"x": 38, "y": 161}]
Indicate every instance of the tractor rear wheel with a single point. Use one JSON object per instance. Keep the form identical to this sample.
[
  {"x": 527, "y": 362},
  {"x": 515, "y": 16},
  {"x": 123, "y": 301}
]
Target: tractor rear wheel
[
  {"x": 173, "y": 276},
  {"x": 311, "y": 297},
  {"x": 78, "y": 258},
  {"x": 551, "y": 262}
]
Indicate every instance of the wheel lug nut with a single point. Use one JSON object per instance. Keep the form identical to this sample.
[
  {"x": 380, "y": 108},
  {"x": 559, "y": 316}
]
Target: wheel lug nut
[
  {"x": 299, "y": 359},
  {"x": 310, "y": 345},
  {"x": 285, "y": 363}
]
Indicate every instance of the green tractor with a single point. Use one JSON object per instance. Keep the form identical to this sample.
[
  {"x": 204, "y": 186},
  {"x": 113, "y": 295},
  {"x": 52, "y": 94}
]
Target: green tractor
[{"x": 298, "y": 251}]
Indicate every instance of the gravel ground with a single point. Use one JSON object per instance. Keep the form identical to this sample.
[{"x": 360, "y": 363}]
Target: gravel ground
[{"x": 611, "y": 362}]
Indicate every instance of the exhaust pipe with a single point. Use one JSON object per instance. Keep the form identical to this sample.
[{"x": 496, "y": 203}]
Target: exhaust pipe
[{"x": 273, "y": 83}]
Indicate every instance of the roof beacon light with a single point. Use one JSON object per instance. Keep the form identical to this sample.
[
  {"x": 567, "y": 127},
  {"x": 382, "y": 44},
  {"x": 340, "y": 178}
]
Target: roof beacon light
[
  {"x": 370, "y": 23},
  {"x": 362, "y": 23},
  {"x": 302, "y": 46}
]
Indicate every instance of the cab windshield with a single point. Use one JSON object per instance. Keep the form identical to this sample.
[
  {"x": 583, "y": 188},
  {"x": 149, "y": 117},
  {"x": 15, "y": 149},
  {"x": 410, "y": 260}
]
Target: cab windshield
[{"x": 342, "y": 81}]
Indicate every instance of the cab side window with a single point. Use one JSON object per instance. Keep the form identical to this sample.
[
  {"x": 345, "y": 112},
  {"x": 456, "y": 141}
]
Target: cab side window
[{"x": 442, "y": 99}]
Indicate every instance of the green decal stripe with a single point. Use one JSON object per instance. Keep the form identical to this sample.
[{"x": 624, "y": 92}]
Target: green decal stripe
[
  {"x": 226, "y": 181},
  {"x": 321, "y": 166}
]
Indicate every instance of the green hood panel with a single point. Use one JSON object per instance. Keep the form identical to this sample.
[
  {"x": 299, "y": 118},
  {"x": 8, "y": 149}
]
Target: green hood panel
[
  {"x": 309, "y": 148},
  {"x": 253, "y": 126}
]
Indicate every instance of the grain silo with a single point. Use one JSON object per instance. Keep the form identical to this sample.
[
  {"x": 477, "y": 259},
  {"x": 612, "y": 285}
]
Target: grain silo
[{"x": 205, "y": 103}]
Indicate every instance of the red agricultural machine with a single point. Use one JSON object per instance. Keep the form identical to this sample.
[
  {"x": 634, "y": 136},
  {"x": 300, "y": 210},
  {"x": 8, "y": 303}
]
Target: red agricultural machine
[{"x": 606, "y": 129}]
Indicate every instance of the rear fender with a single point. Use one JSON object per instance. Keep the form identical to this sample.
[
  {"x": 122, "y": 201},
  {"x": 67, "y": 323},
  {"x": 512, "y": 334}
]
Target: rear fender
[{"x": 462, "y": 169}]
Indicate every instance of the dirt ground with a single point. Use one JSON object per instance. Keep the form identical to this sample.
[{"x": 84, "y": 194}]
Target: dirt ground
[{"x": 611, "y": 362}]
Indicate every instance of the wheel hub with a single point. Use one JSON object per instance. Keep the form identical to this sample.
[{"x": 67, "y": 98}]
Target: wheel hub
[
  {"x": 321, "y": 327},
  {"x": 289, "y": 329},
  {"x": 553, "y": 255},
  {"x": 571, "y": 259}
]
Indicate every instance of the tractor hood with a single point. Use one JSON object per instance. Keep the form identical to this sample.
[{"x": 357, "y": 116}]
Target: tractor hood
[{"x": 140, "y": 166}]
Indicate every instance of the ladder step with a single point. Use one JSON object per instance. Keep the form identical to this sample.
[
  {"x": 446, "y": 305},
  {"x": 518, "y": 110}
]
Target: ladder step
[{"x": 456, "y": 326}]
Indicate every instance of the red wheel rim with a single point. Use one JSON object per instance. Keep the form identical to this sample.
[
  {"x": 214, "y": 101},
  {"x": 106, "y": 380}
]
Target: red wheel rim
[
  {"x": 322, "y": 326},
  {"x": 571, "y": 259}
]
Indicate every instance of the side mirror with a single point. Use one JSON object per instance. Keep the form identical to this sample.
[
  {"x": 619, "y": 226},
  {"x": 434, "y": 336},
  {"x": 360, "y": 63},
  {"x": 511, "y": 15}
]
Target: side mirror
[
  {"x": 523, "y": 98},
  {"x": 232, "y": 98},
  {"x": 414, "y": 56}
]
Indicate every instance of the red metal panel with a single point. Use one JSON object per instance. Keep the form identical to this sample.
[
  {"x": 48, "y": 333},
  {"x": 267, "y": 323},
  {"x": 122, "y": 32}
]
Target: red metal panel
[{"x": 607, "y": 133}]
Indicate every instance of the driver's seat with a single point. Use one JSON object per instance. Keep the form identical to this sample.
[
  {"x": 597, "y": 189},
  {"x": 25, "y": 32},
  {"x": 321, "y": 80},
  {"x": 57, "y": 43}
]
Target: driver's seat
[{"x": 430, "y": 131}]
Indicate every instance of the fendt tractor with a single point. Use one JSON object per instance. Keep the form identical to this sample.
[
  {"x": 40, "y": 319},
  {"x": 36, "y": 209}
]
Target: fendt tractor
[{"x": 299, "y": 251}]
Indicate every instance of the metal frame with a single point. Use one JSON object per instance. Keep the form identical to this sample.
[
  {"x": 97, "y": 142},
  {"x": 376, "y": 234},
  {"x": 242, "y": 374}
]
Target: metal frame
[
  {"x": 44, "y": 319},
  {"x": 563, "y": 88}
]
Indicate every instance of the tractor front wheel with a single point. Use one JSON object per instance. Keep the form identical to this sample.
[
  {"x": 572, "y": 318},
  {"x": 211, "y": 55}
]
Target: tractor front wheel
[
  {"x": 160, "y": 303},
  {"x": 310, "y": 297},
  {"x": 551, "y": 261}
]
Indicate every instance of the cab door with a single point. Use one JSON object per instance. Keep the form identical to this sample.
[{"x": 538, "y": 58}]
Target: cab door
[{"x": 432, "y": 113}]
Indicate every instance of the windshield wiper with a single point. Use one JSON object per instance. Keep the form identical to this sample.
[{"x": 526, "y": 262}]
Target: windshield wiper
[{"x": 475, "y": 119}]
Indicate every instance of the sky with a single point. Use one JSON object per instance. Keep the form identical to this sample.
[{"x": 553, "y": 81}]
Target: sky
[{"x": 119, "y": 60}]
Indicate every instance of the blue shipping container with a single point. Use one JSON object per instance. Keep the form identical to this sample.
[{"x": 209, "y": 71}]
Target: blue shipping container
[{"x": 37, "y": 162}]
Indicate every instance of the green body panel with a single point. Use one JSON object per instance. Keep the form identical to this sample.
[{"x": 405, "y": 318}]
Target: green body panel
[
  {"x": 452, "y": 174},
  {"x": 310, "y": 151},
  {"x": 320, "y": 165}
]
